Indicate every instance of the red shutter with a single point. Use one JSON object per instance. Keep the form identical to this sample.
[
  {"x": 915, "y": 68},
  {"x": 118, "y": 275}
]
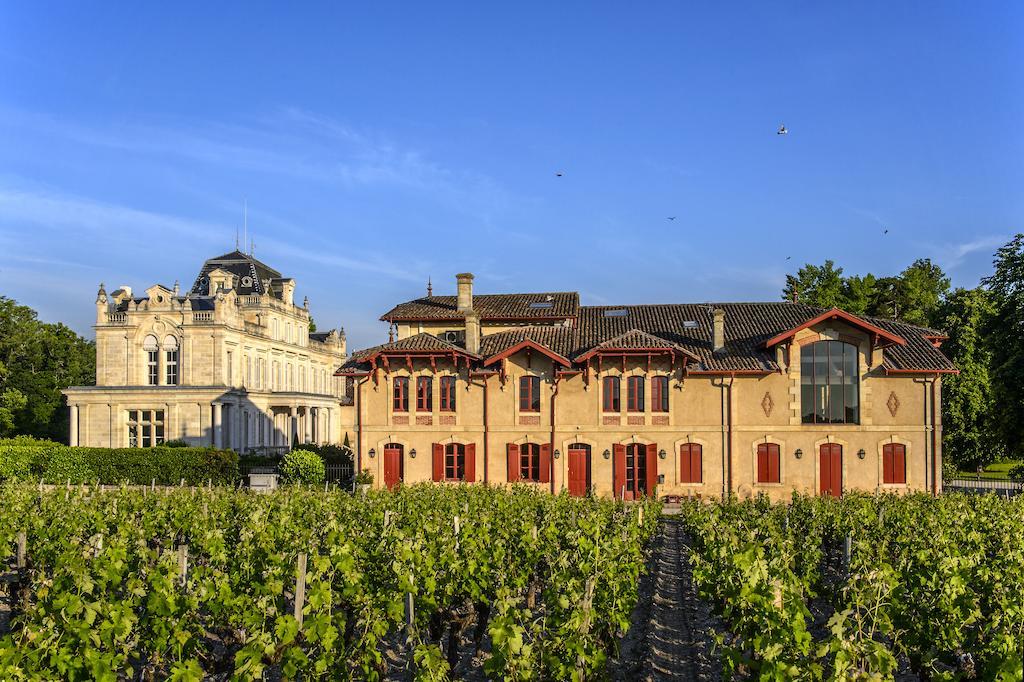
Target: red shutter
[
  {"x": 900, "y": 463},
  {"x": 696, "y": 463},
  {"x": 773, "y": 463},
  {"x": 470, "y": 462},
  {"x": 762, "y": 463},
  {"x": 652, "y": 468},
  {"x": 618, "y": 470},
  {"x": 438, "y": 462},
  {"x": 513, "y": 462},
  {"x": 545, "y": 462},
  {"x": 887, "y": 476}
]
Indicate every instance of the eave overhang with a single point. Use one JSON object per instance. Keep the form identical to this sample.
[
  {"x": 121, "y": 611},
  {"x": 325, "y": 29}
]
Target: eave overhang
[{"x": 877, "y": 332}]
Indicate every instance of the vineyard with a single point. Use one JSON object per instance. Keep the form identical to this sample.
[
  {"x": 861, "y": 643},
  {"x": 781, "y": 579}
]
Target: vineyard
[
  {"x": 441, "y": 582},
  {"x": 863, "y": 588},
  {"x": 193, "y": 584}
]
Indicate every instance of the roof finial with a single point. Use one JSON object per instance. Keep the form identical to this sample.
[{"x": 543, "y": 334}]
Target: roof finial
[
  {"x": 430, "y": 287},
  {"x": 391, "y": 333}
]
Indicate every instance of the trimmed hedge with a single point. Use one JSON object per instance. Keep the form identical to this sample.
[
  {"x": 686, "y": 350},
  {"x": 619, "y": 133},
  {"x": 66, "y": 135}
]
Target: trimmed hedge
[
  {"x": 168, "y": 465},
  {"x": 303, "y": 466}
]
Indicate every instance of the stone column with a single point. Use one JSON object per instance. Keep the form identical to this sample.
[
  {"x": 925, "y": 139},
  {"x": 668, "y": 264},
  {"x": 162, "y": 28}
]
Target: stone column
[
  {"x": 73, "y": 425},
  {"x": 308, "y": 421},
  {"x": 215, "y": 426},
  {"x": 293, "y": 425}
]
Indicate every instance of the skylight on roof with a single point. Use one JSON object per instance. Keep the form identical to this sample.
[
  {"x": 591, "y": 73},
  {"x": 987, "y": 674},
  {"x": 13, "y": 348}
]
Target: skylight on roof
[
  {"x": 542, "y": 304},
  {"x": 689, "y": 324},
  {"x": 616, "y": 312}
]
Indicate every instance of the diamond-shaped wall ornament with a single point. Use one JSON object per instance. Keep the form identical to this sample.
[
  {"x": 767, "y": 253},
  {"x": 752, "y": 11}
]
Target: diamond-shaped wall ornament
[
  {"x": 767, "y": 404},
  {"x": 893, "y": 404}
]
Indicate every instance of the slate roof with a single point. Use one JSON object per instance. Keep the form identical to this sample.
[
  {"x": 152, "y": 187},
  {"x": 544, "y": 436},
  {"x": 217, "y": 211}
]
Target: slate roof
[
  {"x": 490, "y": 307},
  {"x": 243, "y": 266},
  {"x": 688, "y": 327}
]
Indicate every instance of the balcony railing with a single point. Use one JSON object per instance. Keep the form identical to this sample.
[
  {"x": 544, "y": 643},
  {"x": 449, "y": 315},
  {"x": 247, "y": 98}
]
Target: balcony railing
[
  {"x": 117, "y": 318},
  {"x": 202, "y": 316}
]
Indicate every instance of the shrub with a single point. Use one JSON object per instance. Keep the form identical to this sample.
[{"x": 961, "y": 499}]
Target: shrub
[
  {"x": 364, "y": 477},
  {"x": 303, "y": 466},
  {"x": 177, "y": 443},
  {"x": 1017, "y": 473},
  {"x": 59, "y": 465},
  {"x": 20, "y": 457}
]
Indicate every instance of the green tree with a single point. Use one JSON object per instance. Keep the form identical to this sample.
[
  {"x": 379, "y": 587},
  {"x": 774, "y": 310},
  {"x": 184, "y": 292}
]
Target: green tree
[
  {"x": 922, "y": 288},
  {"x": 1006, "y": 335},
  {"x": 968, "y": 437},
  {"x": 815, "y": 285},
  {"x": 858, "y": 293},
  {"x": 39, "y": 360}
]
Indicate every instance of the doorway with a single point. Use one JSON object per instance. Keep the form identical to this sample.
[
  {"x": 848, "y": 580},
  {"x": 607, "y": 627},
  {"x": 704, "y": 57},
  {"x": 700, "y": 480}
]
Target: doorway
[
  {"x": 393, "y": 472},
  {"x": 831, "y": 469},
  {"x": 636, "y": 471},
  {"x": 579, "y": 469}
]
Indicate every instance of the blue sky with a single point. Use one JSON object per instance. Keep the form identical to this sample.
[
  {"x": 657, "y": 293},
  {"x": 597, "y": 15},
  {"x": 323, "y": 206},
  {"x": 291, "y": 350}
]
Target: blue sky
[{"x": 378, "y": 144}]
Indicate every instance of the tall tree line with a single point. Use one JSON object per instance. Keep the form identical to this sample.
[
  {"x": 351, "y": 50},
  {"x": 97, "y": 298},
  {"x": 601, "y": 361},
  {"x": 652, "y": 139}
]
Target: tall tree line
[
  {"x": 37, "y": 361},
  {"x": 983, "y": 405}
]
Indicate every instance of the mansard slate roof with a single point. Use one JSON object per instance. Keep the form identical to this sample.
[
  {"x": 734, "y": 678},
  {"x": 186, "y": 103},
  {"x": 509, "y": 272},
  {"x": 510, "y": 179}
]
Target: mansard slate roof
[
  {"x": 688, "y": 328},
  {"x": 250, "y": 273},
  {"x": 490, "y": 307}
]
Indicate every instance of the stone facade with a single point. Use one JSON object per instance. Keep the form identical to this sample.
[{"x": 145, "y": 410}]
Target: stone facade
[
  {"x": 230, "y": 363},
  {"x": 733, "y": 420}
]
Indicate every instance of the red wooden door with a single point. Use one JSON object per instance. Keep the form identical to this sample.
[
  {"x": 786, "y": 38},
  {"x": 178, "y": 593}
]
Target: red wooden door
[
  {"x": 831, "y": 475},
  {"x": 392, "y": 465},
  {"x": 637, "y": 469},
  {"x": 579, "y": 471}
]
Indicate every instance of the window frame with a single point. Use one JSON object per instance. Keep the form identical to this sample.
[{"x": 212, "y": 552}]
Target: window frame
[
  {"x": 660, "y": 393},
  {"x": 634, "y": 397},
  {"x": 446, "y": 399},
  {"x": 146, "y": 428},
  {"x": 615, "y": 395},
  {"x": 424, "y": 393},
  {"x": 529, "y": 462},
  {"x": 529, "y": 393},
  {"x": 400, "y": 394},
  {"x": 836, "y": 382},
  {"x": 457, "y": 453}
]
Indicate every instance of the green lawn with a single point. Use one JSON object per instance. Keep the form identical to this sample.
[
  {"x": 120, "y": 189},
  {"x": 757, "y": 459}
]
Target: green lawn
[{"x": 997, "y": 470}]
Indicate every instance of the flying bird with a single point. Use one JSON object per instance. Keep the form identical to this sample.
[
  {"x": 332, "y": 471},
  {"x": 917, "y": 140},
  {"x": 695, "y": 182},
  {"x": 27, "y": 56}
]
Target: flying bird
[
  {"x": 671, "y": 217},
  {"x": 558, "y": 174},
  {"x": 886, "y": 231},
  {"x": 782, "y": 130},
  {"x": 788, "y": 257}
]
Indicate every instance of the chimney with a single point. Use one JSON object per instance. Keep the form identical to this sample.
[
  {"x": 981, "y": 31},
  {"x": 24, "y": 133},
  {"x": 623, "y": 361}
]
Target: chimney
[
  {"x": 718, "y": 338},
  {"x": 465, "y": 283},
  {"x": 472, "y": 332}
]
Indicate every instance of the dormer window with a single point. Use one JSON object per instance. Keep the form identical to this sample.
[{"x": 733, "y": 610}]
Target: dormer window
[
  {"x": 616, "y": 312},
  {"x": 829, "y": 383}
]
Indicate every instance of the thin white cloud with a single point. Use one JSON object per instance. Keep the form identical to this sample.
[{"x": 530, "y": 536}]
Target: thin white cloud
[{"x": 951, "y": 255}]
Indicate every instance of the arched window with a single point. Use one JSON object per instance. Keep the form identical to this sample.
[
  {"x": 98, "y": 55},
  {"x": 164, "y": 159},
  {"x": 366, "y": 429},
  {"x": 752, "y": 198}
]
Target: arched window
[
  {"x": 171, "y": 359},
  {"x": 152, "y": 349},
  {"x": 829, "y": 383}
]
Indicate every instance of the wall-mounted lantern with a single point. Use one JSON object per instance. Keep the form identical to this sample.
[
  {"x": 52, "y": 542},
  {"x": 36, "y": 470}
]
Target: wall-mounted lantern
[
  {"x": 662, "y": 454},
  {"x": 799, "y": 453},
  {"x": 557, "y": 454},
  {"x": 372, "y": 453},
  {"x": 412, "y": 453},
  {"x": 861, "y": 453},
  {"x": 607, "y": 454}
]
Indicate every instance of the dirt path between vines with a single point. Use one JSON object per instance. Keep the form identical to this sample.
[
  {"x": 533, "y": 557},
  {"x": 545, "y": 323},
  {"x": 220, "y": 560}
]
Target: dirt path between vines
[{"x": 672, "y": 632}]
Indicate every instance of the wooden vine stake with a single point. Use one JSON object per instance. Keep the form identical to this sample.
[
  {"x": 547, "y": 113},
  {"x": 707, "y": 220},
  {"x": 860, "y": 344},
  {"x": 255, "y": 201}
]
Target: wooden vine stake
[
  {"x": 152, "y": 486},
  {"x": 183, "y": 563},
  {"x": 300, "y": 588},
  {"x": 458, "y": 528},
  {"x": 22, "y": 543},
  {"x": 410, "y": 613},
  {"x": 640, "y": 516},
  {"x": 588, "y": 614},
  {"x": 847, "y": 550}
]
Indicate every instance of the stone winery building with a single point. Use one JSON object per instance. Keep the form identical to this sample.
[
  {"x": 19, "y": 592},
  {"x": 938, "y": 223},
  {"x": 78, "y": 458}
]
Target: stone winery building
[
  {"x": 687, "y": 399},
  {"x": 229, "y": 363}
]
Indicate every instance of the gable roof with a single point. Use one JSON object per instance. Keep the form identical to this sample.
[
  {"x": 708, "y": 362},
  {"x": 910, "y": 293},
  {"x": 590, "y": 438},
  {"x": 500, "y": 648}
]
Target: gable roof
[
  {"x": 635, "y": 340},
  {"x": 553, "y": 342},
  {"x": 563, "y": 304},
  {"x": 837, "y": 314},
  {"x": 417, "y": 345}
]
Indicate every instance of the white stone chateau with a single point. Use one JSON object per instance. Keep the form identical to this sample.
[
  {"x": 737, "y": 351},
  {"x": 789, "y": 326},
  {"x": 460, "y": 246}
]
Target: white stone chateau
[{"x": 230, "y": 363}]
